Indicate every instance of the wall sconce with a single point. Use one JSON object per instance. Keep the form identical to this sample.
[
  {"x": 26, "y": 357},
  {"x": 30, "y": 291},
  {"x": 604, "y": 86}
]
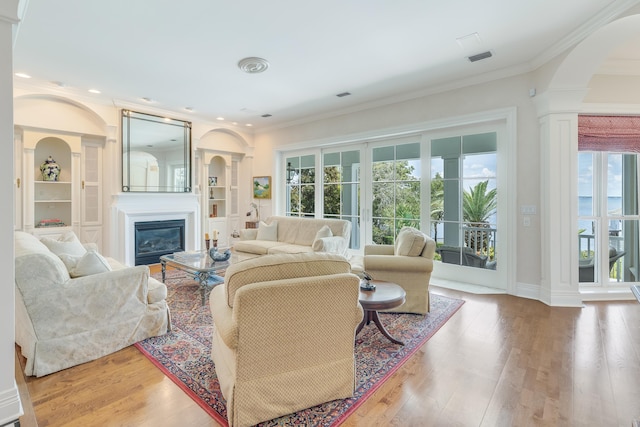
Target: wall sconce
[{"x": 290, "y": 173}]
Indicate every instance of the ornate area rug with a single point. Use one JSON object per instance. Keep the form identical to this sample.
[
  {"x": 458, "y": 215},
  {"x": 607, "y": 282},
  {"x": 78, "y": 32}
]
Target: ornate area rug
[{"x": 184, "y": 353}]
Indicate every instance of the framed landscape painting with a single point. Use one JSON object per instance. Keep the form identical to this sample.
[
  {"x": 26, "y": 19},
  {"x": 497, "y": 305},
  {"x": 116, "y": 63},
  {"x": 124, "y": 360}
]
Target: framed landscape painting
[{"x": 262, "y": 187}]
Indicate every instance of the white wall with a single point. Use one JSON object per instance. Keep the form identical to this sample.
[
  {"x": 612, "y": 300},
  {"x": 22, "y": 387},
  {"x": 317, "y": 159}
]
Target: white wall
[{"x": 10, "y": 407}]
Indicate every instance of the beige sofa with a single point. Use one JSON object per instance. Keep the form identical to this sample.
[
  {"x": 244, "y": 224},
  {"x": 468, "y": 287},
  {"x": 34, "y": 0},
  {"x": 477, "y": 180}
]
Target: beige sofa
[
  {"x": 408, "y": 263},
  {"x": 283, "y": 335},
  {"x": 287, "y": 235},
  {"x": 62, "y": 321}
]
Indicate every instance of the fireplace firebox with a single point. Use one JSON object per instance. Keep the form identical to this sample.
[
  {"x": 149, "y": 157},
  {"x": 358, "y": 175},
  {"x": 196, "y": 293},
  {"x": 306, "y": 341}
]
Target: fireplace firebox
[{"x": 156, "y": 238}]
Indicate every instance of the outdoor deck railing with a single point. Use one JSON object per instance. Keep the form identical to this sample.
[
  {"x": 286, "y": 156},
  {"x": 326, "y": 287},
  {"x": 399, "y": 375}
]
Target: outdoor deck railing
[{"x": 481, "y": 239}]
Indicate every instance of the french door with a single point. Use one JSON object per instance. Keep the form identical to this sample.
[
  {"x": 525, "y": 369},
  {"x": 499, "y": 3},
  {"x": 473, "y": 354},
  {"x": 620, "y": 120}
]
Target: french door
[
  {"x": 383, "y": 185},
  {"x": 468, "y": 204}
]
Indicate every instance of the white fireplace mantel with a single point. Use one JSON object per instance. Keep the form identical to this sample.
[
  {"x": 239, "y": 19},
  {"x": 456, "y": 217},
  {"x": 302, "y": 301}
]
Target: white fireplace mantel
[{"x": 129, "y": 208}]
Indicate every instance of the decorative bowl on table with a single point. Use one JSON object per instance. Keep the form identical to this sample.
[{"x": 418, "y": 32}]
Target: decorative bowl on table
[{"x": 216, "y": 255}]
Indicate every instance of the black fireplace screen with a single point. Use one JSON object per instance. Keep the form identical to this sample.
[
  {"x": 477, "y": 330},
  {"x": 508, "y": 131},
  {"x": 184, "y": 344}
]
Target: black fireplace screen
[{"x": 156, "y": 238}]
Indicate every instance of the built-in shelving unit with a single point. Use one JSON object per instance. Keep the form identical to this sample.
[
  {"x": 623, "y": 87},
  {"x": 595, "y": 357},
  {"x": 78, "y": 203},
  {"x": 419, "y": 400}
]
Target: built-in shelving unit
[
  {"x": 74, "y": 200},
  {"x": 52, "y": 200},
  {"x": 220, "y": 196},
  {"x": 217, "y": 199}
]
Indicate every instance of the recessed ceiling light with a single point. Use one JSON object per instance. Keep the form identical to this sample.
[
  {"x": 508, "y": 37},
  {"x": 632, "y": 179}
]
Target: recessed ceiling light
[
  {"x": 249, "y": 124},
  {"x": 219, "y": 118},
  {"x": 94, "y": 91},
  {"x": 23, "y": 75},
  {"x": 253, "y": 65},
  {"x": 234, "y": 123}
]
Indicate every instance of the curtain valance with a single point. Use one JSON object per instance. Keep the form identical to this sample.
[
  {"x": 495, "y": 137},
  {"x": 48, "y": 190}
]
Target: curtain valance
[{"x": 609, "y": 133}]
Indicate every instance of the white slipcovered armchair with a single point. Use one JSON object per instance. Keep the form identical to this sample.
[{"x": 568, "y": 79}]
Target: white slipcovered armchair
[
  {"x": 284, "y": 333},
  {"x": 62, "y": 321}
]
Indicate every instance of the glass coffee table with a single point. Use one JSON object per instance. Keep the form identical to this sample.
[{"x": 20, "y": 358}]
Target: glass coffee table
[{"x": 201, "y": 265}]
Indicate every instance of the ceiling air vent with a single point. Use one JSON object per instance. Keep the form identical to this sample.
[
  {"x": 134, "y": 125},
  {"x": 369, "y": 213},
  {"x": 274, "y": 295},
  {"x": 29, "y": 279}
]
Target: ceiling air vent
[
  {"x": 340, "y": 95},
  {"x": 480, "y": 56},
  {"x": 266, "y": 115}
]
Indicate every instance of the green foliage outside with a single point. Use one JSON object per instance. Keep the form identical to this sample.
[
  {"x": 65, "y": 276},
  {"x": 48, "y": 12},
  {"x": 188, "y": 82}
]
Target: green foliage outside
[
  {"x": 478, "y": 205},
  {"x": 396, "y": 200},
  {"x": 332, "y": 188},
  {"x": 437, "y": 204},
  {"x": 302, "y": 194}
]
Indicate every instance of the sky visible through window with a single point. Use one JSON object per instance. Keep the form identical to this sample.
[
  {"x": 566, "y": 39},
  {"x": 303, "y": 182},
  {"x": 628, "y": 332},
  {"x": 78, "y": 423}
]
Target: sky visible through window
[
  {"x": 585, "y": 175},
  {"x": 475, "y": 168}
]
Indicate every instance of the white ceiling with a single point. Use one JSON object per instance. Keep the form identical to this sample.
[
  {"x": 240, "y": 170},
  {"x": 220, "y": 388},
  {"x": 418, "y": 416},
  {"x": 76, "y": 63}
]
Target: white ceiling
[{"x": 185, "y": 54}]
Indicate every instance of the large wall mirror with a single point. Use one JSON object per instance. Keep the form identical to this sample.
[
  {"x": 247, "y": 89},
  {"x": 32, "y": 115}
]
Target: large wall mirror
[{"x": 156, "y": 153}]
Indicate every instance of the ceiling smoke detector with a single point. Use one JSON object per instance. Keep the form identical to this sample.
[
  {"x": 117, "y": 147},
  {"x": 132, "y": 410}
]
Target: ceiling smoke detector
[{"x": 253, "y": 65}]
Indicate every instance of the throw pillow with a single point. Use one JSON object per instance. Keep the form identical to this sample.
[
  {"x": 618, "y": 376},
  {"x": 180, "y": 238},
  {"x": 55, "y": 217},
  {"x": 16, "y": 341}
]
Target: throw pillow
[
  {"x": 410, "y": 242},
  {"x": 68, "y": 243},
  {"x": 268, "y": 231},
  {"x": 89, "y": 263},
  {"x": 324, "y": 231}
]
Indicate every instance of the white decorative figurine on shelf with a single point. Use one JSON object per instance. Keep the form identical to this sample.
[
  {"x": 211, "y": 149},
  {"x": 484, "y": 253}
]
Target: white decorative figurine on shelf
[{"x": 50, "y": 170}]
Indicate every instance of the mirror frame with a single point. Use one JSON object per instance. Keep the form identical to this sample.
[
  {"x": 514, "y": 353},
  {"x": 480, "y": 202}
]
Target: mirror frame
[{"x": 131, "y": 123}]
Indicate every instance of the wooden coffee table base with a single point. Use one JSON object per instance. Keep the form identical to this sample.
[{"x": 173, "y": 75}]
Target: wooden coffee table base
[
  {"x": 372, "y": 316},
  {"x": 386, "y": 296}
]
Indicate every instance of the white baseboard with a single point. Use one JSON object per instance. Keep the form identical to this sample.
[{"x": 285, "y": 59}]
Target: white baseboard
[
  {"x": 10, "y": 406},
  {"x": 465, "y": 287}
]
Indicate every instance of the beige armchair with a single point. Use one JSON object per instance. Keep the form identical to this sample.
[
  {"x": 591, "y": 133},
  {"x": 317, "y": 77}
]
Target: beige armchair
[
  {"x": 408, "y": 263},
  {"x": 284, "y": 333}
]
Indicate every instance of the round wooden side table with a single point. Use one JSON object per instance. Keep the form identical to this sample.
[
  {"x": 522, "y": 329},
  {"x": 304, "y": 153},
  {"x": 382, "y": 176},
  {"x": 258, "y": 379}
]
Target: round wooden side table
[{"x": 385, "y": 296}]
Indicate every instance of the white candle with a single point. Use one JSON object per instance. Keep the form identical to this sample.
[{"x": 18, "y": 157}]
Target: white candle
[{"x": 215, "y": 234}]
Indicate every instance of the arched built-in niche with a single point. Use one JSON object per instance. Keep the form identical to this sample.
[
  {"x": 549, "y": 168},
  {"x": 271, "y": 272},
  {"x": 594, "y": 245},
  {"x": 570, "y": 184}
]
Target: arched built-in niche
[{"x": 223, "y": 182}]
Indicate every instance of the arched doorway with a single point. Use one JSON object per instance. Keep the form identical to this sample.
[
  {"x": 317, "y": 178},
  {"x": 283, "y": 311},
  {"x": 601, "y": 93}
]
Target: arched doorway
[{"x": 558, "y": 109}]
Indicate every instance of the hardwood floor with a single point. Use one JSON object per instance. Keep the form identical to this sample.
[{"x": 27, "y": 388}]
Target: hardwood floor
[{"x": 499, "y": 361}]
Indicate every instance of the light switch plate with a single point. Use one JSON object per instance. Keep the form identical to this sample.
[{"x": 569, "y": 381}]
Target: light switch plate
[{"x": 528, "y": 209}]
